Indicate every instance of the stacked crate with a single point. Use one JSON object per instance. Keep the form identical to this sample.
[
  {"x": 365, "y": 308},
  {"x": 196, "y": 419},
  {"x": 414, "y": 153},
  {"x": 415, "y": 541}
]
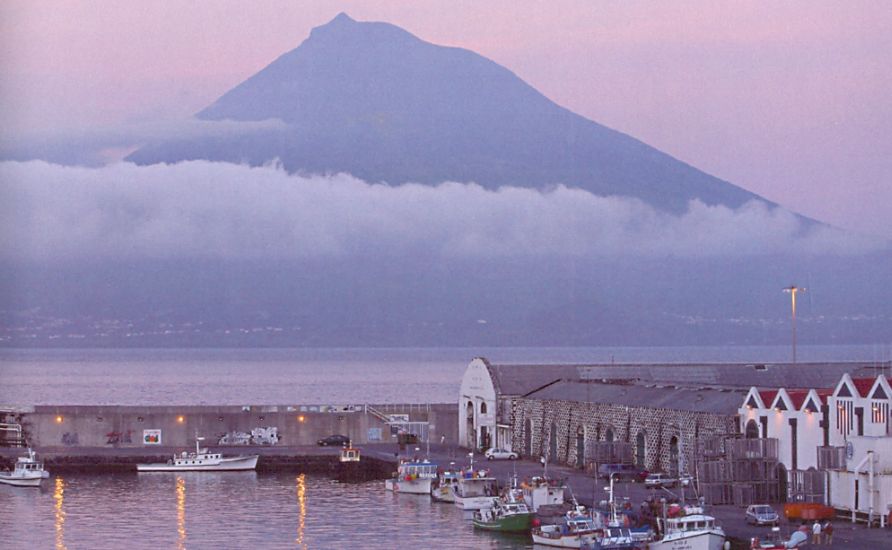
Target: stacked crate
[{"x": 740, "y": 471}]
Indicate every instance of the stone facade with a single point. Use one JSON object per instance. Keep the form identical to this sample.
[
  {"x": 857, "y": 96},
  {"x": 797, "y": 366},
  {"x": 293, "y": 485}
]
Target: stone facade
[{"x": 559, "y": 430}]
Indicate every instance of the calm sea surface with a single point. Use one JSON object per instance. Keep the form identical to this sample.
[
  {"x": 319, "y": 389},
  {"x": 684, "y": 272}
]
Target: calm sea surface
[
  {"x": 284, "y": 376},
  {"x": 250, "y": 510},
  {"x": 229, "y": 510}
]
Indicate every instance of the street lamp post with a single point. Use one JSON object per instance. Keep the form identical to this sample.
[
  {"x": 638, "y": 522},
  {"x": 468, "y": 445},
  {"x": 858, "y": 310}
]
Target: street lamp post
[{"x": 792, "y": 290}]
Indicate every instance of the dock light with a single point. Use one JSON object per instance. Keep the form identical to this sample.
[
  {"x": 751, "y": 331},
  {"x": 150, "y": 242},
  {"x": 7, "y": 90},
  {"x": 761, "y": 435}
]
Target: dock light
[
  {"x": 301, "y": 418},
  {"x": 181, "y": 419},
  {"x": 59, "y": 419}
]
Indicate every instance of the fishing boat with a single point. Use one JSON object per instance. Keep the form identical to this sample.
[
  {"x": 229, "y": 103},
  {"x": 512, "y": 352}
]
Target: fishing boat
[
  {"x": 349, "y": 454},
  {"x": 442, "y": 487},
  {"x": 475, "y": 490},
  {"x": 693, "y": 531},
  {"x": 508, "y": 513},
  {"x": 543, "y": 491},
  {"x": 576, "y": 529},
  {"x": 413, "y": 477},
  {"x": 201, "y": 461},
  {"x": 27, "y": 472}
]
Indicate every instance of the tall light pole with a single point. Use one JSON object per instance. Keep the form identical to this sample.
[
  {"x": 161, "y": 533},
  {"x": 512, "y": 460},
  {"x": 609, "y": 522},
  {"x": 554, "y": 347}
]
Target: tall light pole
[{"x": 792, "y": 290}]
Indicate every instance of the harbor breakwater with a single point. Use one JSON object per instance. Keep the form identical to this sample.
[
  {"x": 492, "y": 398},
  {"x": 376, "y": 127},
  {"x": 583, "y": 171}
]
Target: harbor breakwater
[{"x": 116, "y": 438}]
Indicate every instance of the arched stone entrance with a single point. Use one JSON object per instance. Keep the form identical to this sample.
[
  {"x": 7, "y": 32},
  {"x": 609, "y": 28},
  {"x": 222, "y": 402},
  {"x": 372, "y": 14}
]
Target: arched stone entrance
[
  {"x": 552, "y": 443},
  {"x": 608, "y": 435},
  {"x": 528, "y": 438},
  {"x": 470, "y": 431},
  {"x": 673, "y": 455},
  {"x": 640, "y": 448},
  {"x": 580, "y": 447}
]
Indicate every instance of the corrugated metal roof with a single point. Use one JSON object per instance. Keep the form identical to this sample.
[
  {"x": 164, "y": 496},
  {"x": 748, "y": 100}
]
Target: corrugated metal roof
[
  {"x": 522, "y": 379},
  {"x": 707, "y": 400}
]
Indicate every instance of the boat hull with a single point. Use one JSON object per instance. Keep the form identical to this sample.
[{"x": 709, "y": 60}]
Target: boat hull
[
  {"x": 706, "y": 540},
  {"x": 442, "y": 494},
  {"x": 472, "y": 503},
  {"x": 420, "y": 486},
  {"x": 233, "y": 464},
  {"x": 517, "y": 523},
  {"x": 34, "y": 481},
  {"x": 564, "y": 541}
]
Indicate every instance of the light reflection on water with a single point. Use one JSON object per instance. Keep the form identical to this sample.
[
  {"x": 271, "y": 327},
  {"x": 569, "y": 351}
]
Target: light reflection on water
[
  {"x": 231, "y": 510},
  {"x": 302, "y": 509},
  {"x": 181, "y": 513},
  {"x": 59, "y": 497}
]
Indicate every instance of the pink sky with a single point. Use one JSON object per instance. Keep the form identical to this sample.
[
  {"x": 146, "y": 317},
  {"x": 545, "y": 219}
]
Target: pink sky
[{"x": 788, "y": 99}]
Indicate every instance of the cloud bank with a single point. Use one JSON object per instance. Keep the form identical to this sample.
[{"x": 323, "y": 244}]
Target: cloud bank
[{"x": 206, "y": 209}]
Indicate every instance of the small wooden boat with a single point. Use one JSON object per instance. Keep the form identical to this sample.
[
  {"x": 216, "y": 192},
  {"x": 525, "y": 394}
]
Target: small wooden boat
[{"x": 576, "y": 530}]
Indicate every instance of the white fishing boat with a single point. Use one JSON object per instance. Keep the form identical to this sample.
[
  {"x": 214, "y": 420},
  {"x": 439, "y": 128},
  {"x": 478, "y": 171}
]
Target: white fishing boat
[
  {"x": 441, "y": 488},
  {"x": 576, "y": 530},
  {"x": 28, "y": 472},
  {"x": 413, "y": 477},
  {"x": 543, "y": 491},
  {"x": 200, "y": 461},
  {"x": 695, "y": 531},
  {"x": 475, "y": 490}
]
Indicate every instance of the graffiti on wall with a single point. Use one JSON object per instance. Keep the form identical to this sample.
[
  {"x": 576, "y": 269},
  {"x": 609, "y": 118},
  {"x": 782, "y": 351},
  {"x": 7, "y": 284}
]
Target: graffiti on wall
[
  {"x": 113, "y": 438},
  {"x": 69, "y": 438},
  {"x": 259, "y": 436}
]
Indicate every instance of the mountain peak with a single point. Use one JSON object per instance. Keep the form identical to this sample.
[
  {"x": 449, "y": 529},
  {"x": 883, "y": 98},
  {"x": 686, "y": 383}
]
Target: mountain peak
[
  {"x": 341, "y": 19},
  {"x": 373, "y": 100}
]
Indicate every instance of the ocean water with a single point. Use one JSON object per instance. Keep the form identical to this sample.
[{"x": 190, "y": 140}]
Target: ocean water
[
  {"x": 230, "y": 510},
  {"x": 281, "y": 376}
]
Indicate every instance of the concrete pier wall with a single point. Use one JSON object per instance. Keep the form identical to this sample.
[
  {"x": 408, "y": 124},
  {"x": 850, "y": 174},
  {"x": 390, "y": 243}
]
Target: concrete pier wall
[{"x": 148, "y": 427}]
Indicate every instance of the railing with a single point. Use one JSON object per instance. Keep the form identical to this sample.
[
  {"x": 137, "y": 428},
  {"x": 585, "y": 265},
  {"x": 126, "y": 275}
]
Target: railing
[{"x": 831, "y": 458}]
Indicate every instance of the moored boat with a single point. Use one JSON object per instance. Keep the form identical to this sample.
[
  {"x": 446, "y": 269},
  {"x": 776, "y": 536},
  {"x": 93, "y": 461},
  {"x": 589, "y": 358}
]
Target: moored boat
[
  {"x": 543, "y": 491},
  {"x": 442, "y": 487},
  {"x": 413, "y": 477},
  {"x": 475, "y": 490},
  {"x": 27, "y": 472},
  {"x": 695, "y": 531},
  {"x": 508, "y": 513},
  {"x": 575, "y": 530},
  {"x": 201, "y": 460}
]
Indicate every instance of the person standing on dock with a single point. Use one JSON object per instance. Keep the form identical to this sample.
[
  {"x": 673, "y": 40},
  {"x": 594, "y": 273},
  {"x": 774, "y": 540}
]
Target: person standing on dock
[
  {"x": 827, "y": 529},
  {"x": 816, "y": 532}
]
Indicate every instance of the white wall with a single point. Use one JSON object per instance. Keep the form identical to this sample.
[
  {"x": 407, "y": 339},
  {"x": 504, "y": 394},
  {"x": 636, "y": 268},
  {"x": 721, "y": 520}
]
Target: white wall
[{"x": 477, "y": 388}]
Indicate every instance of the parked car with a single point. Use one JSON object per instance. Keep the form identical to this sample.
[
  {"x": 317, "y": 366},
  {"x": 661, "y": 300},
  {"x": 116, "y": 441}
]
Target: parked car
[
  {"x": 499, "y": 454},
  {"x": 761, "y": 514},
  {"x": 334, "y": 440},
  {"x": 620, "y": 472},
  {"x": 658, "y": 480}
]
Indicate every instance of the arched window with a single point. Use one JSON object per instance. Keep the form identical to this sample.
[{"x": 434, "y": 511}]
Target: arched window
[
  {"x": 528, "y": 438},
  {"x": 640, "y": 449},
  {"x": 580, "y": 447},
  {"x": 673, "y": 455},
  {"x": 482, "y": 407},
  {"x": 552, "y": 443},
  {"x": 608, "y": 435},
  {"x": 752, "y": 430}
]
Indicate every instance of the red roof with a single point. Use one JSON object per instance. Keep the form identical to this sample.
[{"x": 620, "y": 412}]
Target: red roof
[
  {"x": 863, "y": 385},
  {"x": 797, "y": 397},
  {"x": 768, "y": 396},
  {"x": 824, "y": 393}
]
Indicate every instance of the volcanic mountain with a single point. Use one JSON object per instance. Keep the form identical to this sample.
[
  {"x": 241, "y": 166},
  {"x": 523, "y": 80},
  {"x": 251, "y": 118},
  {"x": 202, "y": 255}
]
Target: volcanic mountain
[{"x": 372, "y": 100}]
